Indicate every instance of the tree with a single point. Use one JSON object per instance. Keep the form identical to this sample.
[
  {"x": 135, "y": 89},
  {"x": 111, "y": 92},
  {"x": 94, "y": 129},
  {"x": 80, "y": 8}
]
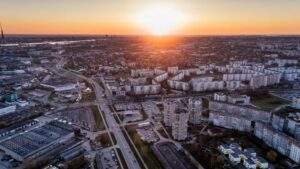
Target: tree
[{"x": 272, "y": 156}]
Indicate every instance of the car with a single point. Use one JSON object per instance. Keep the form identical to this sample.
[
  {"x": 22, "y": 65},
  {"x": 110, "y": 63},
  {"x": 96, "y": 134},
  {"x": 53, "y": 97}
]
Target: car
[
  {"x": 15, "y": 164},
  {"x": 6, "y": 158}
]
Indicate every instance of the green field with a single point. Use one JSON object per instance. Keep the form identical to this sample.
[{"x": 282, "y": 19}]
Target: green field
[
  {"x": 267, "y": 101},
  {"x": 145, "y": 150},
  {"x": 98, "y": 118},
  {"x": 104, "y": 140},
  {"x": 86, "y": 97}
]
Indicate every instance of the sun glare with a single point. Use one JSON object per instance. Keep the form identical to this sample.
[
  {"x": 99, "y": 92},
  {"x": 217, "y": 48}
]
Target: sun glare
[{"x": 160, "y": 20}]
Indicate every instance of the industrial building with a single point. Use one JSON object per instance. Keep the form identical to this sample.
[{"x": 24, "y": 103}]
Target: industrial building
[{"x": 38, "y": 141}]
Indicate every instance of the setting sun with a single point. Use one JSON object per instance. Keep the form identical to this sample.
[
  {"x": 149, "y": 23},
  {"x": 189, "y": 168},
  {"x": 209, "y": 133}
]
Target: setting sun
[{"x": 160, "y": 20}]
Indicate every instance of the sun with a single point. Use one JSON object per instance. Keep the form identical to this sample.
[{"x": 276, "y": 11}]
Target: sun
[{"x": 160, "y": 20}]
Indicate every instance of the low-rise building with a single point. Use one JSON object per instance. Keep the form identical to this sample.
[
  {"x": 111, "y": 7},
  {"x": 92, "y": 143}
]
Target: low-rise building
[{"x": 6, "y": 109}]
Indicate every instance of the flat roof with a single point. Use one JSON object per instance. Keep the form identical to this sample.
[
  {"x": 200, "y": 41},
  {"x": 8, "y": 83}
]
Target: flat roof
[{"x": 28, "y": 143}]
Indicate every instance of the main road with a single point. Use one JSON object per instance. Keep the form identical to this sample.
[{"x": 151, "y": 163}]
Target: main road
[
  {"x": 114, "y": 127},
  {"x": 112, "y": 124}
]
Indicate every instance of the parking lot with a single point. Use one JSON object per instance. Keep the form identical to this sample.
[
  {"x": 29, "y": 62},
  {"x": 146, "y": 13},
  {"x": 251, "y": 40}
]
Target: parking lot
[{"x": 106, "y": 159}]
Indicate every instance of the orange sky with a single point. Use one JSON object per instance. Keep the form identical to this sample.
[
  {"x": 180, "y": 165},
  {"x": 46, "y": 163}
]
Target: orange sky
[{"x": 201, "y": 17}]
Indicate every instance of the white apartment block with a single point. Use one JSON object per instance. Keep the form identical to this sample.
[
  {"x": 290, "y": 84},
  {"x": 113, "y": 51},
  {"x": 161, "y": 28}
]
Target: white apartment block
[
  {"x": 247, "y": 112},
  {"x": 230, "y": 122},
  {"x": 178, "y": 85},
  {"x": 234, "y": 99},
  {"x": 281, "y": 142},
  {"x": 146, "y": 89},
  {"x": 195, "y": 110},
  {"x": 172, "y": 70},
  {"x": 169, "y": 110},
  {"x": 180, "y": 124},
  {"x": 207, "y": 86}
]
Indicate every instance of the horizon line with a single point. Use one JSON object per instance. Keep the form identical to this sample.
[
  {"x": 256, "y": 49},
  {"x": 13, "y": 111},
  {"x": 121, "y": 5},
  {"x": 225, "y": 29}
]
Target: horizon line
[{"x": 170, "y": 35}]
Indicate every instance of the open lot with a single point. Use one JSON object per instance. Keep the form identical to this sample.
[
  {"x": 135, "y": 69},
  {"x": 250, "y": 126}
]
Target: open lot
[
  {"x": 145, "y": 150},
  {"x": 98, "y": 118},
  {"x": 267, "y": 101},
  {"x": 171, "y": 157}
]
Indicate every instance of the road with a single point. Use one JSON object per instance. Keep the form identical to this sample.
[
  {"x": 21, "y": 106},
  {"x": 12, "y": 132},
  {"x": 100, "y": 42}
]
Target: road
[
  {"x": 114, "y": 128},
  {"x": 110, "y": 122}
]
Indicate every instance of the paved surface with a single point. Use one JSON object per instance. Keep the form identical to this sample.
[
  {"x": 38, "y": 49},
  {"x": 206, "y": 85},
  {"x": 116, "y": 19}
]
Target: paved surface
[
  {"x": 111, "y": 123},
  {"x": 171, "y": 157},
  {"x": 113, "y": 126}
]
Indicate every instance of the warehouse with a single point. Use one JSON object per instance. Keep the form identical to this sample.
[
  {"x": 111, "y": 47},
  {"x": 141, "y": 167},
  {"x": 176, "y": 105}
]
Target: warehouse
[{"x": 37, "y": 141}]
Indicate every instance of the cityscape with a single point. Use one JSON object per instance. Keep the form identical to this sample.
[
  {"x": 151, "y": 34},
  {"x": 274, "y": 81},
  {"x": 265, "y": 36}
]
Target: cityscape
[{"x": 159, "y": 98}]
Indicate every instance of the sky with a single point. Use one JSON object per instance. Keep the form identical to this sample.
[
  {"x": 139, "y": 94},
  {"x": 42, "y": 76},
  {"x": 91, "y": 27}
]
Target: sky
[{"x": 120, "y": 17}]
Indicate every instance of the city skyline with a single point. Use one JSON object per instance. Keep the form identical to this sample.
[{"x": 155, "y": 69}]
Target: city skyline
[{"x": 230, "y": 17}]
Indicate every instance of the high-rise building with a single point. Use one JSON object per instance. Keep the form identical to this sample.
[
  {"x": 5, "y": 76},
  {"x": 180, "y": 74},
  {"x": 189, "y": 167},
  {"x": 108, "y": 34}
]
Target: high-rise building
[
  {"x": 169, "y": 110},
  {"x": 195, "y": 110},
  {"x": 180, "y": 124}
]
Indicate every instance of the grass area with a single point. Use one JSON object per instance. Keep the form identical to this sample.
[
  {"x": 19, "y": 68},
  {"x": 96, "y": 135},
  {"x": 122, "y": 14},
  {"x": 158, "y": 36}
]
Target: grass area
[
  {"x": 145, "y": 116},
  {"x": 285, "y": 111},
  {"x": 98, "y": 118},
  {"x": 86, "y": 97},
  {"x": 51, "y": 96},
  {"x": 205, "y": 103},
  {"x": 145, "y": 150},
  {"x": 266, "y": 101},
  {"x": 104, "y": 140}
]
